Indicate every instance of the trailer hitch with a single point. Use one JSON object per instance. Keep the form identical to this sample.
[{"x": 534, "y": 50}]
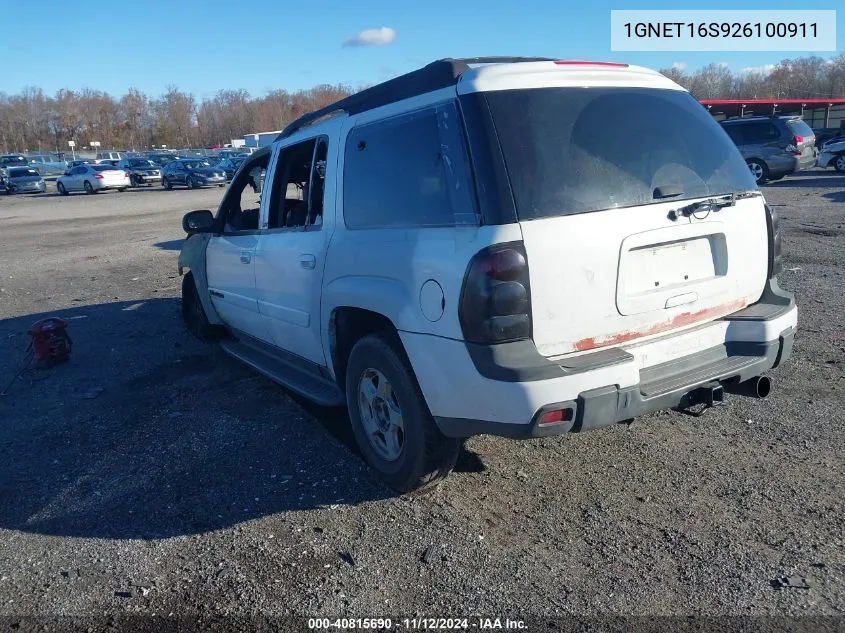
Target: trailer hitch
[{"x": 697, "y": 402}]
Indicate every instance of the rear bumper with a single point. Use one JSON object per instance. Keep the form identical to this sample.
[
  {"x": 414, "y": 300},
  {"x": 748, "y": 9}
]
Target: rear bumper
[
  {"x": 504, "y": 392},
  {"x": 144, "y": 179},
  {"x": 806, "y": 162}
]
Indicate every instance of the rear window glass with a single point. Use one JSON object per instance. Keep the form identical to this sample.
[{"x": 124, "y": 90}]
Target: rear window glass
[
  {"x": 104, "y": 168},
  {"x": 799, "y": 127},
  {"x": 575, "y": 150},
  {"x": 19, "y": 172}
]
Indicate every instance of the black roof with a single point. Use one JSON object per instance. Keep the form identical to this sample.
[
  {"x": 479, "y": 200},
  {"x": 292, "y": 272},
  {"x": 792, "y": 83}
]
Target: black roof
[{"x": 434, "y": 76}]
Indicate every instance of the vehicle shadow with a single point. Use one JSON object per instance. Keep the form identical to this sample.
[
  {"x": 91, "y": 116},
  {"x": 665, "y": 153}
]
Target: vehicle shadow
[
  {"x": 836, "y": 196},
  {"x": 171, "y": 245},
  {"x": 810, "y": 179},
  {"x": 148, "y": 433}
]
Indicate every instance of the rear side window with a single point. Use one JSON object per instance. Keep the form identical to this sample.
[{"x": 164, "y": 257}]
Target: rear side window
[
  {"x": 735, "y": 132},
  {"x": 575, "y": 150},
  {"x": 760, "y": 132},
  {"x": 408, "y": 171}
]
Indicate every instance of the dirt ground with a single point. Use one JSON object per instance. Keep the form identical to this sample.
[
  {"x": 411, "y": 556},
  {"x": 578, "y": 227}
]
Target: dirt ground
[{"x": 154, "y": 475}]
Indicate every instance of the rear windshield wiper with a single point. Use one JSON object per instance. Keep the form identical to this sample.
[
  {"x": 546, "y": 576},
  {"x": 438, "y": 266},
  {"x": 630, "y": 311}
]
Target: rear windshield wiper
[{"x": 711, "y": 205}]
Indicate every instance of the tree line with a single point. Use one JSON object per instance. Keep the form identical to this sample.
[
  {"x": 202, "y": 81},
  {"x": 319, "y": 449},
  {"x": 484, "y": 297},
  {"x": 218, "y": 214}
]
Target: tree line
[
  {"x": 34, "y": 121},
  {"x": 800, "y": 78}
]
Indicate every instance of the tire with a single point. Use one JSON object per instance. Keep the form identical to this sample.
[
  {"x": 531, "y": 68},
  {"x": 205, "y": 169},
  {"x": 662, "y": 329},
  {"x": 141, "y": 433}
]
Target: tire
[
  {"x": 839, "y": 163},
  {"x": 189, "y": 182},
  {"x": 424, "y": 455},
  {"x": 121, "y": 190},
  {"x": 166, "y": 184},
  {"x": 88, "y": 188},
  {"x": 61, "y": 189},
  {"x": 11, "y": 190},
  {"x": 194, "y": 315},
  {"x": 759, "y": 170}
]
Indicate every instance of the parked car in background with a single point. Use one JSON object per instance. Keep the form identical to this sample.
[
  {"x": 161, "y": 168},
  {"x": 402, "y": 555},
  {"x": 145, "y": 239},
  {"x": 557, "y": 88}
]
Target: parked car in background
[
  {"x": 833, "y": 154},
  {"x": 192, "y": 173},
  {"x": 13, "y": 160},
  {"x": 80, "y": 161},
  {"x": 23, "y": 180},
  {"x": 142, "y": 171},
  {"x": 110, "y": 155},
  {"x": 92, "y": 179},
  {"x": 230, "y": 153},
  {"x": 48, "y": 164},
  {"x": 230, "y": 165},
  {"x": 825, "y": 134},
  {"x": 161, "y": 158},
  {"x": 773, "y": 147}
]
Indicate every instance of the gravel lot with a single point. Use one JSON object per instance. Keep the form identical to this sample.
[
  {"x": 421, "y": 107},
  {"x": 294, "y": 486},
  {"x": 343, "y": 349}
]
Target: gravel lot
[{"x": 154, "y": 475}]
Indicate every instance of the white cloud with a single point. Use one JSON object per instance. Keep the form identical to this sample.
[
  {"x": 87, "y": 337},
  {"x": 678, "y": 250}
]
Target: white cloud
[
  {"x": 372, "y": 37},
  {"x": 679, "y": 66},
  {"x": 759, "y": 70}
]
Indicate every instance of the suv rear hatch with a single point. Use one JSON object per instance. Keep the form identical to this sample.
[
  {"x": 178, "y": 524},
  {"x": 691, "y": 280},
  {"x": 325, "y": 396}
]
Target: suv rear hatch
[
  {"x": 605, "y": 182},
  {"x": 804, "y": 140}
]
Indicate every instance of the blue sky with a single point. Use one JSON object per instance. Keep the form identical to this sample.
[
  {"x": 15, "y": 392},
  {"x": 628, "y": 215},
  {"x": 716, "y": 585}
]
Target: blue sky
[{"x": 261, "y": 45}]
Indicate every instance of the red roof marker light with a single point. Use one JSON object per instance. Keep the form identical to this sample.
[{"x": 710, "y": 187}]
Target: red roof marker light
[{"x": 567, "y": 62}]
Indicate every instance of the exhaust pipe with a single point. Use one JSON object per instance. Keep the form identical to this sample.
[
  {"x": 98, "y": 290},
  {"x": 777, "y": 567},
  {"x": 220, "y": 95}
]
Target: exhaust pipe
[{"x": 758, "y": 387}]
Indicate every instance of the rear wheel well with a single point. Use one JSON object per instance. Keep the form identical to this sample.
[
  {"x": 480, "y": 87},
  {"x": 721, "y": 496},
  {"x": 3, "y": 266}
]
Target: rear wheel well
[{"x": 347, "y": 326}]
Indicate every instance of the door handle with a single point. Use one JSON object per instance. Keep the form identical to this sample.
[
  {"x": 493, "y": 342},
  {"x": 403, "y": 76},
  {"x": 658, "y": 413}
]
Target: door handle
[
  {"x": 307, "y": 261},
  {"x": 246, "y": 257}
]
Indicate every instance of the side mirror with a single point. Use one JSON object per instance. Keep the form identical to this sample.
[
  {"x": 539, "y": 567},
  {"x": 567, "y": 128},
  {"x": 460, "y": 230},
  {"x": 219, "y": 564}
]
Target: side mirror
[{"x": 201, "y": 221}]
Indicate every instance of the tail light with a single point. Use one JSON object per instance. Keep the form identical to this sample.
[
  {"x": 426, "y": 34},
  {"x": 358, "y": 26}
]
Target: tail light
[
  {"x": 99, "y": 176},
  {"x": 773, "y": 230},
  {"x": 495, "y": 298},
  {"x": 556, "y": 416},
  {"x": 126, "y": 173},
  {"x": 794, "y": 146}
]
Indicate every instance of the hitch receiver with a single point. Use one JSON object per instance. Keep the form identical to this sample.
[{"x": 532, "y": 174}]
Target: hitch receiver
[{"x": 699, "y": 400}]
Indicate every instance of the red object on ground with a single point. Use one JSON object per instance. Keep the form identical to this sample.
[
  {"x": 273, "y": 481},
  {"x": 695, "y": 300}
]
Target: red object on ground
[{"x": 50, "y": 342}]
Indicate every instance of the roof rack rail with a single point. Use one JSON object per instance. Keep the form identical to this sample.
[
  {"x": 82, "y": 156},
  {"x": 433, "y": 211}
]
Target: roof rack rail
[{"x": 438, "y": 74}]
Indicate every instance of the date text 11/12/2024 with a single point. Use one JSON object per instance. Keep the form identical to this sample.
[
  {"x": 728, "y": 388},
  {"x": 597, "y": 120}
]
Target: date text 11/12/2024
[{"x": 416, "y": 624}]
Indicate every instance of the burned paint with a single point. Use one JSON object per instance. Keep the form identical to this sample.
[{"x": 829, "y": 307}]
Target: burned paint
[{"x": 680, "y": 320}]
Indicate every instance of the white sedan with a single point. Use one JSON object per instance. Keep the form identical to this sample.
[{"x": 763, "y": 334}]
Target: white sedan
[{"x": 92, "y": 178}]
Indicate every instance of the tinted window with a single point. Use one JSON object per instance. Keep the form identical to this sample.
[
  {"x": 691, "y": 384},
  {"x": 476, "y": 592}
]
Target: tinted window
[
  {"x": 799, "y": 127},
  {"x": 573, "y": 150},
  {"x": 103, "y": 168},
  {"x": 735, "y": 132},
  {"x": 407, "y": 171},
  {"x": 759, "y": 132},
  {"x": 21, "y": 172}
]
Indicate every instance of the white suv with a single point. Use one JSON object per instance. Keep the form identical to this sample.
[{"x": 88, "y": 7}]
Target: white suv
[{"x": 518, "y": 247}]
